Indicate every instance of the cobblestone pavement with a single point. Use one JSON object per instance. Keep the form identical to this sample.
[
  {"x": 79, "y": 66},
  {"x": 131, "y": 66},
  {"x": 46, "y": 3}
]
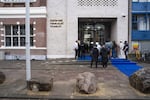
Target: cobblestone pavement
[{"x": 112, "y": 84}]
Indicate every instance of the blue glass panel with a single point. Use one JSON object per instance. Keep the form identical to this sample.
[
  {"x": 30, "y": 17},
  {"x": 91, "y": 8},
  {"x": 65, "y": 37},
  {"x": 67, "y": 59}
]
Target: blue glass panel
[
  {"x": 140, "y": 7},
  {"x": 140, "y": 35}
]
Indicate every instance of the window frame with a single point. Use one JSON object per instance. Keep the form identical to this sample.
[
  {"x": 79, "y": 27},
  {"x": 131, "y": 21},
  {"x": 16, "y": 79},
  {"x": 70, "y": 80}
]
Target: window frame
[
  {"x": 140, "y": 1},
  {"x": 17, "y": 36}
]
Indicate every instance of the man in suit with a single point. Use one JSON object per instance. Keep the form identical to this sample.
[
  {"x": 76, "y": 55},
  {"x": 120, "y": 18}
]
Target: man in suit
[{"x": 94, "y": 55}]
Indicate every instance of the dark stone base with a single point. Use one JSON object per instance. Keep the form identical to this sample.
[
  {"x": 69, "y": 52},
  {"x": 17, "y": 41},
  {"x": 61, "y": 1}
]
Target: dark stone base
[
  {"x": 40, "y": 85},
  {"x": 2, "y": 77}
]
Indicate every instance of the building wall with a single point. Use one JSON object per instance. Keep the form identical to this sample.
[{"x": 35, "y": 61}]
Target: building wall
[
  {"x": 39, "y": 38},
  {"x": 57, "y": 28},
  {"x": 16, "y": 16},
  {"x": 70, "y": 10},
  {"x": 141, "y": 25}
]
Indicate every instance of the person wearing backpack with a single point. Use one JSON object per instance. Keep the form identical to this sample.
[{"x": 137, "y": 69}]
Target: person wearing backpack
[
  {"x": 104, "y": 54},
  {"x": 94, "y": 55}
]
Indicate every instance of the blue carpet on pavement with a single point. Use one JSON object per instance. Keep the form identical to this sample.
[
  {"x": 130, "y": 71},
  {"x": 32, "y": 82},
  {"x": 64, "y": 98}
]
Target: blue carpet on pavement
[
  {"x": 86, "y": 58},
  {"x": 125, "y": 66}
]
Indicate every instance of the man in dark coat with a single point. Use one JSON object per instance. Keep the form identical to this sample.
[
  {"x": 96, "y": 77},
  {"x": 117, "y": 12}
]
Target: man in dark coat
[
  {"x": 126, "y": 49},
  {"x": 82, "y": 50},
  {"x": 104, "y": 54},
  {"x": 94, "y": 55}
]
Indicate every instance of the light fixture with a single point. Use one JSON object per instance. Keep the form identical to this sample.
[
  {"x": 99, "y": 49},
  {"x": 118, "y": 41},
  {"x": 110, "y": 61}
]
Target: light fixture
[
  {"x": 17, "y": 22},
  {"x": 34, "y": 22},
  {"x": 99, "y": 27},
  {"x": 1, "y": 23},
  {"x": 34, "y": 29},
  {"x": 123, "y": 15},
  {"x": 2, "y": 29},
  {"x": 34, "y": 40},
  {"x": 87, "y": 27}
]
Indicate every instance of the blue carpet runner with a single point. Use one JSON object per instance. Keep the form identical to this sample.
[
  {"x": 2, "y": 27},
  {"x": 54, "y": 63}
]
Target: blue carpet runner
[
  {"x": 125, "y": 66},
  {"x": 86, "y": 58}
]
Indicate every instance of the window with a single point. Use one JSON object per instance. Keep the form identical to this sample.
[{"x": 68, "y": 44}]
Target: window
[
  {"x": 15, "y": 35},
  {"x": 19, "y": 5},
  {"x": 134, "y": 22},
  {"x": 135, "y": 0},
  {"x": 148, "y": 22},
  {"x": 141, "y": 22},
  {"x": 141, "y": 0}
]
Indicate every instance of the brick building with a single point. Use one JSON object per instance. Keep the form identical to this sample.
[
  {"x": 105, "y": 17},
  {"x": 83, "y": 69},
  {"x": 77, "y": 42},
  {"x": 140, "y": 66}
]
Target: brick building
[{"x": 12, "y": 29}]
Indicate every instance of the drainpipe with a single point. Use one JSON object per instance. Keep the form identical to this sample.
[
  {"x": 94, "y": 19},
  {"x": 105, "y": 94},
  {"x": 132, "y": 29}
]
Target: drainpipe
[
  {"x": 146, "y": 15},
  {"x": 129, "y": 24}
]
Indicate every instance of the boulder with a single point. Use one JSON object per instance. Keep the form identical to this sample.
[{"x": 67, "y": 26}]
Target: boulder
[
  {"x": 140, "y": 80},
  {"x": 86, "y": 83},
  {"x": 2, "y": 77},
  {"x": 40, "y": 84}
]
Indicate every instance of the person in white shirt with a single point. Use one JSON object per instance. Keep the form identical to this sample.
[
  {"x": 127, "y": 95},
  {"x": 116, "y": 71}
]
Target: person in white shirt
[
  {"x": 76, "y": 49},
  {"x": 121, "y": 45},
  {"x": 98, "y": 46}
]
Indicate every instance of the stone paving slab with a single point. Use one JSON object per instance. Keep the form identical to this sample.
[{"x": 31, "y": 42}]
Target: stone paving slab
[{"x": 111, "y": 82}]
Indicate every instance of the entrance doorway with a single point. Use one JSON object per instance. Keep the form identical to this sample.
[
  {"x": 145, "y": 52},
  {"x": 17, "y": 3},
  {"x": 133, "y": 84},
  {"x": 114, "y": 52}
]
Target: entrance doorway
[{"x": 92, "y": 31}]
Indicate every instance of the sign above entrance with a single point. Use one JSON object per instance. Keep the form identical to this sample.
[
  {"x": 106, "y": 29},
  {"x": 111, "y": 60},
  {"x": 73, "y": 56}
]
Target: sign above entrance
[{"x": 56, "y": 22}]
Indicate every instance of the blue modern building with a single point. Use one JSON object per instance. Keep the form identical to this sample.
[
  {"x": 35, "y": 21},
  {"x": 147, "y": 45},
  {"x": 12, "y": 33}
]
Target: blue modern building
[{"x": 141, "y": 24}]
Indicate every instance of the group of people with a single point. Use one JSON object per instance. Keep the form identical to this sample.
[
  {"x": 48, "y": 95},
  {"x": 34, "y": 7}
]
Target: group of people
[
  {"x": 105, "y": 52},
  {"x": 118, "y": 50},
  {"x": 124, "y": 49},
  {"x": 80, "y": 49}
]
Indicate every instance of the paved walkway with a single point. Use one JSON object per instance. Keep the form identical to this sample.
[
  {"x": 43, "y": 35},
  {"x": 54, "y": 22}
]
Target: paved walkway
[{"x": 112, "y": 84}]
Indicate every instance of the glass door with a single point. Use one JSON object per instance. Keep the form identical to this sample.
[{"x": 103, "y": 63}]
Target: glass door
[{"x": 89, "y": 34}]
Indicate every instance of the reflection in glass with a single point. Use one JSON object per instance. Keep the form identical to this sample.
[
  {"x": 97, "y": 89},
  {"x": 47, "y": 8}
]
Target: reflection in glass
[
  {"x": 15, "y": 41},
  {"x": 22, "y": 41},
  {"x": 22, "y": 29},
  {"x": 8, "y": 41},
  {"x": 31, "y": 41},
  {"x": 8, "y": 29},
  {"x": 15, "y": 30},
  {"x": 31, "y": 29}
]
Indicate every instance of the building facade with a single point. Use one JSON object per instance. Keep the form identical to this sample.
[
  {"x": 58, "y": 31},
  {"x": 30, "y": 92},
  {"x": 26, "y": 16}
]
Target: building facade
[
  {"x": 141, "y": 24},
  {"x": 57, "y": 24},
  {"x": 12, "y": 29},
  {"x": 85, "y": 20}
]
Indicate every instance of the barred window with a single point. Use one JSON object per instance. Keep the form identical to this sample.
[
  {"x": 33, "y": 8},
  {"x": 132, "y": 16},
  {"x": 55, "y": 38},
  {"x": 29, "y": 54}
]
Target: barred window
[{"x": 15, "y": 35}]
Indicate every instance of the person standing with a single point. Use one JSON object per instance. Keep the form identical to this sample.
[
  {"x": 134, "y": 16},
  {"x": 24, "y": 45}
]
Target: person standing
[
  {"x": 121, "y": 45},
  {"x": 94, "y": 55},
  {"x": 82, "y": 50},
  {"x": 98, "y": 46},
  {"x": 114, "y": 50},
  {"x": 126, "y": 49},
  {"x": 76, "y": 49},
  {"x": 104, "y": 54},
  {"x": 79, "y": 48}
]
